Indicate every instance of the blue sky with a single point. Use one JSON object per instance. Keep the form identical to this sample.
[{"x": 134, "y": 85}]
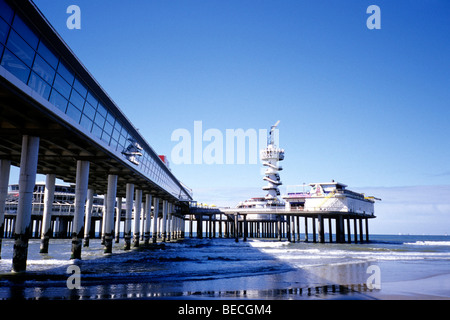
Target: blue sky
[{"x": 369, "y": 108}]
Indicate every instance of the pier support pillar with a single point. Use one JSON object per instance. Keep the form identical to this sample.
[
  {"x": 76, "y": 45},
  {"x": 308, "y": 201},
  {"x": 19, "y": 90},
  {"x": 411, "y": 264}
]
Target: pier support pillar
[
  {"x": 148, "y": 218},
  {"x": 314, "y": 229},
  {"x": 236, "y": 227},
  {"x": 306, "y": 229},
  {"x": 245, "y": 228},
  {"x": 349, "y": 231},
  {"x": 128, "y": 214},
  {"x": 155, "y": 219},
  {"x": 321, "y": 229},
  {"x": 200, "y": 226},
  {"x": 292, "y": 229},
  {"x": 340, "y": 231},
  {"x": 137, "y": 217},
  {"x": 367, "y": 230},
  {"x": 355, "y": 230},
  {"x": 279, "y": 228},
  {"x": 330, "y": 231},
  {"x": 5, "y": 168},
  {"x": 109, "y": 216},
  {"x": 169, "y": 225},
  {"x": 27, "y": 180},
  {"x": 361, "y": 232},
  {"x": 288, "y": 228},
  {"x": 164, "y": 221},
  {"x": 81, "y": 187},
  {"x": 88, "y": 215},
  {"x": 49, "y": 195},
  {"x": 118, "y": 216}
]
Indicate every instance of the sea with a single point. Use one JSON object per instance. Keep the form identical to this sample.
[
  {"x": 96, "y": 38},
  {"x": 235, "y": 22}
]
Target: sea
[{"x": 388, "y": 267}]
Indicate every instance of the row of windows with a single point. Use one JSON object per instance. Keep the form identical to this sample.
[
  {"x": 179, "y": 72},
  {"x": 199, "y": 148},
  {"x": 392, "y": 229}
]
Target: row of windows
[{"x": 26, "y": 56}]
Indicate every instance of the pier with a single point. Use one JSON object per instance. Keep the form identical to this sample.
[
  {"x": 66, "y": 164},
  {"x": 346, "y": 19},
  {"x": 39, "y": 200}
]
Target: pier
[
  {"x": 291, "y": 225},
  {"x": 56, "y": 120}
]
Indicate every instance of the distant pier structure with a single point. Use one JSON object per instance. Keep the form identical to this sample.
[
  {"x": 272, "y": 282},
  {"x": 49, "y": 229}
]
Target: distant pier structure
[{"x": 327, "y": 206}]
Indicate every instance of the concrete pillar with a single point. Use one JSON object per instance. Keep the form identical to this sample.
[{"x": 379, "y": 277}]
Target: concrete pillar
[
  {"x": 367, "y": 230},
  {"x": 279, "y": 227},
  {"x": 292, "y": 228},
  {"x": 349, "y": 231},
  {"x": 148, "y": 218},
  {"x": 306, "y": 229},
  {"x": 314, "y": 229},
  {"x": 49, "y": 196},
  {"x": 88, "y": 215},
  {"x": 82, "y": 179},
  {"x": 5, "y": 166},
  {"x": 27, "y": 180},
  {"x": 321, "y": 229},
  {"x": 298, "y": 227},
  {"x": 110, "y": 208},
  {"x": 169, "y": 222},
  {"x": 155, "y": 219},
  {"x": 355, "y": 230},
  {"x": 210, "y": 222},
  {"x": 236, "y": 227},
  {"x": 137, "y": 217},
  {"x": 102, "y": 235},
  {"x": 340, "y": 221},
  {"x": 142, "y": 221},
  {"x": 330, "y": 231},
  {"x": 164, "y": 221},
  {"x": 118, "y": 215},
  {"x": 199, "y": 226},
  {"x": 245, "y": 227},
  {"x": 128, "y": 214},
  {"x": 361, "y": 232},
  {"x": 288, "y": 228}
]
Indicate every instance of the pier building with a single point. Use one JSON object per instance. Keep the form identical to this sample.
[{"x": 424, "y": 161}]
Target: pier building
[{"x": 57, "y": 120}]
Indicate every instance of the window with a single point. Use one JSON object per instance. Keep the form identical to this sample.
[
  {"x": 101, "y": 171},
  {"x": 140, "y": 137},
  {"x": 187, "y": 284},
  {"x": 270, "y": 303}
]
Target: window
[
  {"x": 47, "y": 55},
  {"x": 101, "y": 109},
  {"x": 106, "y": 137},
  {"x": 20, "y": 48},
  {"x": 116, "y": 134},
  {"x": 62, "y": 86},
  {"x": 89, "y": 110},
  {"x": 108, "y": 128},
  {"x": 6, "y": 12},
  {"x": 4, "y": 29},
  {"x": 86, "y": 123},
  {"x": 91, "y": 99},
  {"x": 25, "y": 32},
  {"x": 11, "y": 63},
  {"x": 99, "y": 120},
  {"x": 39, "y": 85},
  {"x": 110, "y": 118},
  {"x": 77, "y": 85},
  {"x": 73, "y": 112},
  {"x": 58, "y": 100},
  {"x": 65, "y": 73},
  {"x": 77, "y": 100},
  {"x": 97, "y": 131},
  {"x": 43, "y": 69}
]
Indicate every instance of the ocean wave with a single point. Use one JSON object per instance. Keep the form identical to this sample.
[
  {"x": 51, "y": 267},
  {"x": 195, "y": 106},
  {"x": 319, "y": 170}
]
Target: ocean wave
[{"x": 429, "y": 243}]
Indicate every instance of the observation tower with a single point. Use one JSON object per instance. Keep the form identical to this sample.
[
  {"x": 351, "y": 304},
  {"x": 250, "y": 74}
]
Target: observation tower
[{"x": 270, "y": 156}]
